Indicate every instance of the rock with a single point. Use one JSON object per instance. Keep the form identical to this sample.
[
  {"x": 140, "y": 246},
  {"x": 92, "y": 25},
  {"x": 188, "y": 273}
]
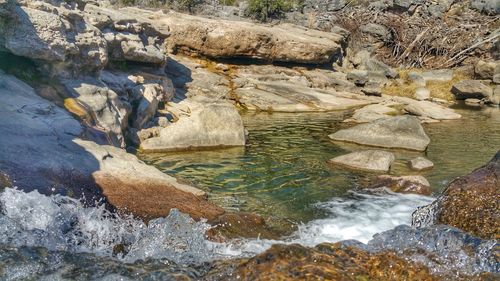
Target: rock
[
  {"x": 469, "y": 203},
  {"x": 104, "y": 105},
  {"x": 372, "y": 112},
  {"x": 209, "y": 124},
  {"x": 393, "y": 132},
  {"x": 150, "y": 95},
  {"x": 485, "y": 70},
  {"x": 363, "y": 60},
  {"x": 328, "y": 262},
  {"x": 496, "y": 78},
  {"x": 495, "y": 99},
  {"x": 474, "y": 102},
  {"x": 420, "y": 163},
  {"x": 440, "y": 75},
  {"x": 377, "y": 30},
  {"x": 66, "y": 42},
  {"x": 403, "y": 184},
  {"x": 491, "y": 7},
  {"x": 42, "y": 150},
  {"x": 406, "y": 4},
  {"x": 237, "y": 39},
  {"x": 471, "y": 89},
  {"x": 358, "y": 77},
  {"x": 422, "y": 93},
  {"x": 241, "y": 225},
  {"x": 431, "y": 110},
  {"x": 130, "y": 47},
  {"x": 369, "y": 160}
]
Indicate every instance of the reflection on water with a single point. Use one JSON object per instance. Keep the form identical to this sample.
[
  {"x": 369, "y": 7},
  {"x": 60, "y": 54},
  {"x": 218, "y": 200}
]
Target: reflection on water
[{"x": 282, "y": 172}]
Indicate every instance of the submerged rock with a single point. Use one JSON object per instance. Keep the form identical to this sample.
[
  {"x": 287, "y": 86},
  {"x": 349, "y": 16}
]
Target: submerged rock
[
  {"x": 470, "y": 203},
  {"x": 393, "y": 132},
  {"x": 403, "y": 184},
  {"x": 370, "y": 160}
]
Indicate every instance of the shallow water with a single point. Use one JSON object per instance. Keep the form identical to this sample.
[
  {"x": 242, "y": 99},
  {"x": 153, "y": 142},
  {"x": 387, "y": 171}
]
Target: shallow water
[{"x": 283, "y": 173}]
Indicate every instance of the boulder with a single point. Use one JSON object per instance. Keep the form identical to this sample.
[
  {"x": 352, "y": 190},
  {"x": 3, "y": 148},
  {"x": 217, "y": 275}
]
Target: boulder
[
  {"x": 431, "y": 110},
  {"x": 208, "y": 124},
  {"x": 486, "y": 70},
  {"x": 403, "y": 184},
  {"x": 470, "y": 203},
  {"x": 326, "y": 262},
  {"x": 471, "y": 89},
  {"x": 130, "y": 47},
  {"x": 368, "y": 160},
  {"x": 42, "y": 150},
  {"x": 490, "y": 7},
  {"x": 61, "y": 38},
  {"x": 422, "y": 93},
  {"x": 420, "y": 163},
  {"x": 372, "y": 112},
  {"x": 392, "y": 132},
  {"x": 103, "y": 105},
  {"x": 495, "y": 99},
  {"x": 237, "y": 39},
  {"x": 358, "y": 77}
]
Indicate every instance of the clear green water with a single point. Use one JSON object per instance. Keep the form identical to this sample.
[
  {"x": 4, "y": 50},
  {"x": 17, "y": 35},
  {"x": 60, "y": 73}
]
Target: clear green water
[{"x": 282, "y": 172}]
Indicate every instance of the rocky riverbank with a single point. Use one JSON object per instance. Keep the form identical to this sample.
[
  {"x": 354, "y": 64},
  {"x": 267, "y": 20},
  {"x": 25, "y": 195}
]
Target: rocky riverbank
[{"x": 95, "y": 81}]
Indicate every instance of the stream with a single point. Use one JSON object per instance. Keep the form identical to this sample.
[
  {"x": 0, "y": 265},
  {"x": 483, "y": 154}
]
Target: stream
[{"x": 282, "y": 173}]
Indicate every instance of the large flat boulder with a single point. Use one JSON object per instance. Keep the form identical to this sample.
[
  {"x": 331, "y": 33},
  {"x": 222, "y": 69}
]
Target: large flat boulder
[
  {"x": 232, "y": 39},
  {"x": 392, "y": 132},
  {"x": 369, "y": 160},
  {"x": 431, "y": 110},
  {"x": 471, "y": 89},
  {"x": 206, "y": 123},
  {"x": 43, "y": 149},
  {"x": 470, "y": 203}
]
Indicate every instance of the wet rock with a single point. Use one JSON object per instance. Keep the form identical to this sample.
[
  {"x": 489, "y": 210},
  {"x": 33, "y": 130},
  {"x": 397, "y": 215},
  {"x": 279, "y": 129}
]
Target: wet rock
[
  {"x": 451, "y": 253},
  {"x": 43, "y": 151},
  {"x": 469, "y": 203},
  {"x": 240, "y": 225},
  {"x": 208, "y": 124},
  {"x": 420, "y": 163},
  {"x": 431, "y": 110},
  {"x": 233, "y": 39},
  {"x": 393, "y": 132},
  {"x": 471, "y": 89},
  {"x": 369, "y": 160},
  {"x": 422, "y": 93},
  {"x": 403, "y": 184},
  {"x": 328, "y": 262},
  {"x": 5, "y": 180}
]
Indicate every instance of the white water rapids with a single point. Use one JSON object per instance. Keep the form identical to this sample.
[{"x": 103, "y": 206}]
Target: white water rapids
[{"x": 59, "y": 223}]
